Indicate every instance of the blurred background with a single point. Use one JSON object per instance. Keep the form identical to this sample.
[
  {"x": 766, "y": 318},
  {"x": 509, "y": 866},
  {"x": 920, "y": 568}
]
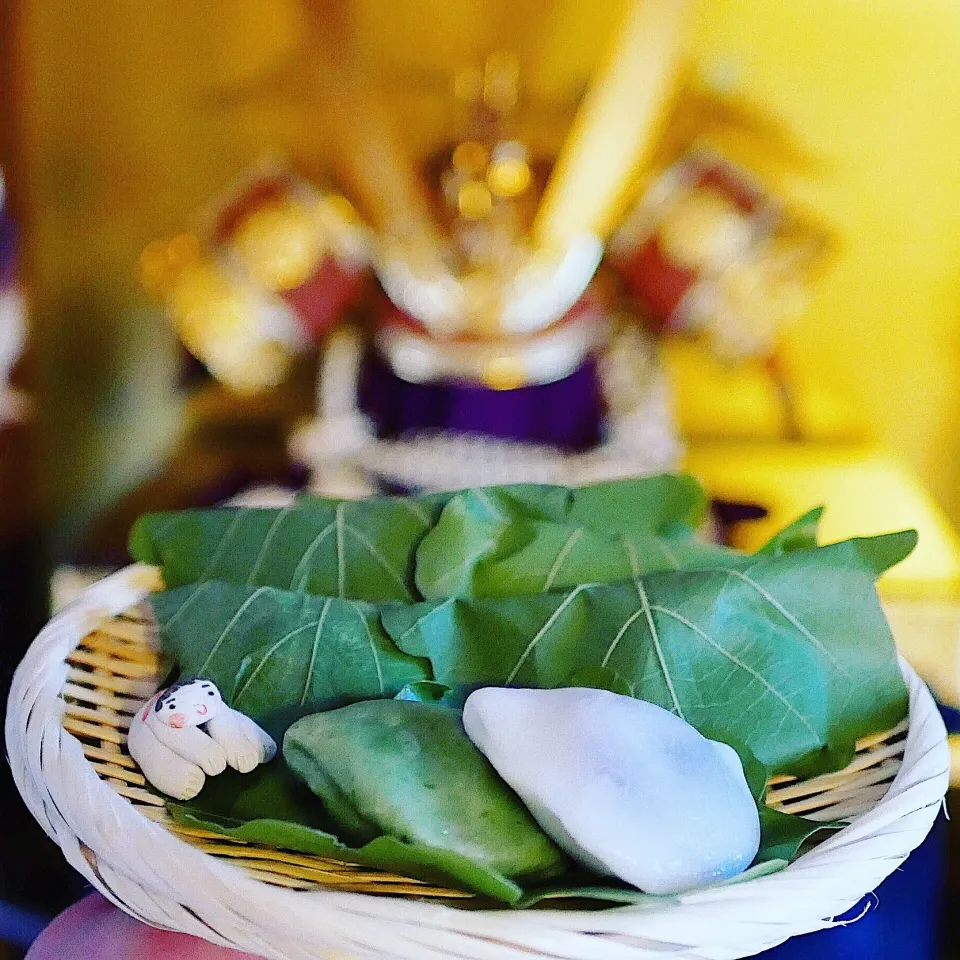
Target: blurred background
[{"x": 156, "y": 155}]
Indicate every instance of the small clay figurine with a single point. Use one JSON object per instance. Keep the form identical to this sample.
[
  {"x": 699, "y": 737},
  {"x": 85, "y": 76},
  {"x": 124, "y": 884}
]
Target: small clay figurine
[{"x": 185, "y": 733}]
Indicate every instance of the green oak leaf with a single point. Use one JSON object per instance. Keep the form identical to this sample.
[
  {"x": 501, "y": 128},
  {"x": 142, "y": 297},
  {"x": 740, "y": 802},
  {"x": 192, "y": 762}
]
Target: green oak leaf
[
  {"x": 588, "y": 889},
  {"x": 782, "y": 834},
  {"x": 788, "y": 656},
  {"x": 276, "y": 655},
  {"x": 272, "y": 828},
  {"x": 799, "y": 535},
  {"x": 425, "y": 691},
  {"x": 505, "y": 541},
  {"x": 881, "y": 553},
  {"x": 641, "y": 503},
  {"x": 362, "y": 550}
]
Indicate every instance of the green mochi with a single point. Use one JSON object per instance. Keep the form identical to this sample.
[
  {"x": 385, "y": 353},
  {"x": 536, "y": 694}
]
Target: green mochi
[{"x": 408, "y": 770}]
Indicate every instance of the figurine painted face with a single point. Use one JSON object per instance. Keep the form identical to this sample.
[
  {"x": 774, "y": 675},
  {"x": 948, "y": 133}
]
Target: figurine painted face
[{"x": 188, "y": 704}]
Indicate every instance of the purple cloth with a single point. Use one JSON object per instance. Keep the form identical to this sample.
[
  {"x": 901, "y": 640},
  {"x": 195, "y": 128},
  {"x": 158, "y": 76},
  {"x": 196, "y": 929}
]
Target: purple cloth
[{"x": 566, "y": 414}]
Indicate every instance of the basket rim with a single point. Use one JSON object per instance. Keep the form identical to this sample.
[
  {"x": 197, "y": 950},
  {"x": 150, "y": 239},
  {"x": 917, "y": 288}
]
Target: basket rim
[{"x": 157, "y": 877}]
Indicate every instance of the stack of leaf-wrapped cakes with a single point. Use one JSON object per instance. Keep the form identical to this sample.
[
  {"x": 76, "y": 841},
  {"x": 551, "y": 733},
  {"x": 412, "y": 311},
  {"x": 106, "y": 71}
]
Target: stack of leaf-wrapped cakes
[{"x": 527, "y": 691}]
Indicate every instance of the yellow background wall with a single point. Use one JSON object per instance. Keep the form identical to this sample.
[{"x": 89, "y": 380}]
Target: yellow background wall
[
  {"x": 135, "y": 113},
  {"x": 872, "y": 90}
]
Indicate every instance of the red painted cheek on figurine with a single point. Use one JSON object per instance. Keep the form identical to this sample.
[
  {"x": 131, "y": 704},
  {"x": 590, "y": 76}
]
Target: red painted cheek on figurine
[{"x": 178, "y": 720}]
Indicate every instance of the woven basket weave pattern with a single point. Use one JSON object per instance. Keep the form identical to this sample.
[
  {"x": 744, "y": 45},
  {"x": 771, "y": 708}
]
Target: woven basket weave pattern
[{"x": 70, "y": 706}]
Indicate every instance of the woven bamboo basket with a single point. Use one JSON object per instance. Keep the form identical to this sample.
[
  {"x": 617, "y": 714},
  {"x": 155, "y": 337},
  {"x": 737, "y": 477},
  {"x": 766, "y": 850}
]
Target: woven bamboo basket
[{"x": 71, "y": 702}]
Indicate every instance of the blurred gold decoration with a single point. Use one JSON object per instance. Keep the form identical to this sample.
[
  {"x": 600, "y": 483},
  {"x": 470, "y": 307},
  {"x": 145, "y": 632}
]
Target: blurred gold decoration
[
  {"x": 281, "y": 244},
  {"x": 161, "y": 262},
  {"x": 509, "y": 173},
  {"x": 486, "y": 171},
  {"x": 482, "y": 273},
  {"x": 509, "y": 177},
  {"x": 183, "y": 249},
  {"x": 153, "y": 268},
  {"x": 505, "y": 373},
  {"x": 742, "y": 130},
  {"x": 617, "y": 125},
  {"x": 373, "y": 166},
  {"x": 468, "y": 85},
  {"x": 501, "y": 76},
  {"x": 743, "y": 122},
  {"x": 336, "y": 211},
  {"x": 762, "y": 296},
  {"x": 709, "y": 252},
  {"x": 206, "y": 305},
  {"x": 220, "y": 323},
  {"x": 470, "y": 158},
  {"x": 483, "y": 301},
  {"x": 474, "y": 200},
  {"x": 704, "y": 228}
]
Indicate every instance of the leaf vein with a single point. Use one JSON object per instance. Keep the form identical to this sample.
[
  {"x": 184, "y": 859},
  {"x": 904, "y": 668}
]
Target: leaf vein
[
  {"x": 197, "y": 590},
  {"x": 298, "y": 581},
  {"x": 416, "y": 623},
  {"x": 261, "y": 554},
  {"x": 561, "y": 557},
  {"x": 413, "y": 507},
  {"x": 341, "y": 563},
  {"x": 658, "y": 647},
  {"x": 616, "y": 640},
  {"x": 488, "y": 504},
  {"x": 221, "y": 547},
  {"x": 316, "y": 647},
  {"x": 232, "y": 623},
  {"x": 542, "y": 632},
  {"x": 373, "y": 646},
  {"x": 667, "y": 552},
  {"x": 787, "y": 615},
  {"x": 734, "y": 659},
  {"x": 266, "y": 657},
  {"x": 465, "y": 566},
  {"x": 372, "y": 550}
]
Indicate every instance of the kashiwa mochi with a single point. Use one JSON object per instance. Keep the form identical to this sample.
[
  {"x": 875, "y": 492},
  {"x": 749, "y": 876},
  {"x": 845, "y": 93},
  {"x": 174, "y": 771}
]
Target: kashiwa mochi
[
  {"x": 624, "y": 786},
  {"x": 408, "y": 770}
]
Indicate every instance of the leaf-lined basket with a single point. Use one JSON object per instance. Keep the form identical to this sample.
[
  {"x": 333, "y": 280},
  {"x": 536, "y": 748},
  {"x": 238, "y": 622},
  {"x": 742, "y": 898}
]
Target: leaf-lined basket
[
  {"x": 65, "y": 740},
  {"x": 312, "y": 607},
  {"x": 766, "y": 652}
]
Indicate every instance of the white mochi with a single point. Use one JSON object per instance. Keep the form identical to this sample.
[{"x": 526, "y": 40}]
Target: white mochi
[{"x": 624, "y": 786}]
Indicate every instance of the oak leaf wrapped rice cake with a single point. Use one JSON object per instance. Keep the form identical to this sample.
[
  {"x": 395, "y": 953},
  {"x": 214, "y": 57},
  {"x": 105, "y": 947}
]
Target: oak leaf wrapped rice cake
[{"x": 407, "y": 770}]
